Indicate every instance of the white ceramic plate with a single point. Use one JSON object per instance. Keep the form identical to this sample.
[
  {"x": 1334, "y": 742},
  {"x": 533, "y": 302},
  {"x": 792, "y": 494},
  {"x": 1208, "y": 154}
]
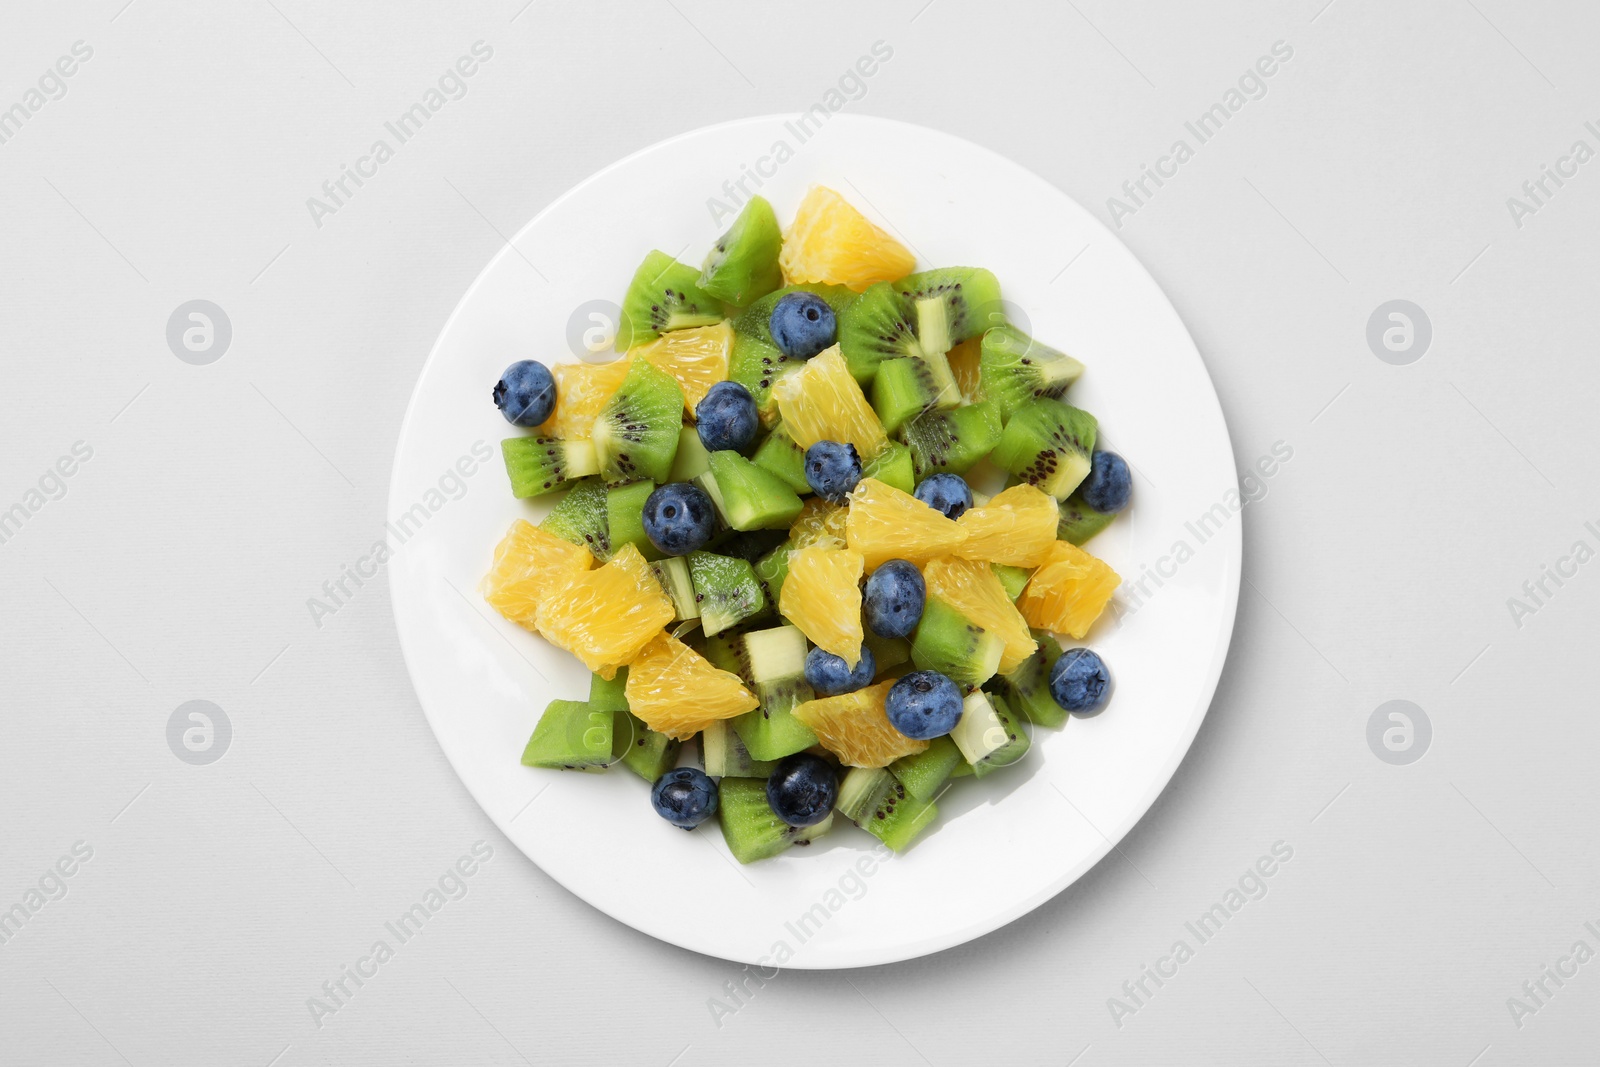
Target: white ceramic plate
[{"x": 1002, "y": 845}]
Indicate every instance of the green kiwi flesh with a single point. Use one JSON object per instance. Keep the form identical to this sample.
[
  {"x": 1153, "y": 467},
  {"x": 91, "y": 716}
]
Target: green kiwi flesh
[
  {"x": 743, "y": 265},
  {"x": 726, "y": 591},
  {"x": 540, "y": 465},
  {"x": 1047, "y": 443},
  {"x": 780, "y": 455},
  {"x": 951, "y": 441},
  {"x": 570, "y": 736},
  {"x": 751, "y": 497},
  {"x": 906, "y": 387},
  {"x": 1013, "y": 369},
  {"x": 1079, "y": 521},
  {"x": 925, "y": 773},
  {"x": 948, "y": 642},
  {"x": 673, "y": 574},
  {"x": 625, "y": 517},
  {"x": 749, "y": 827},
  {"x": 1028, "y": 685},
  {"x": 581, "y": 517},
  {"x": 893, "y": 465},
  {"x": 776, "y": 658},
  {"x": 636, "y": 434},
  {"x": 664, "y": 295}
]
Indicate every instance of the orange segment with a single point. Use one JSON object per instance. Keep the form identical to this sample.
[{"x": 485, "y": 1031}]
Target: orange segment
[
  {"x": 820, "y": 523},
  {"x": 1016, "y": 527},
  {"x": 530, "y": 564},
  {"x": 822, "y": 596},
  {"x": 677, "y": 692},
  {"x": 972, "y": 587},
  {"x": 830, "y": 241},
  {"x": 605, "y": 616},
  {"x": 963, "y": 359},
  {"x": 697, "y": 358},
  {"x": 582, "y": 389},
  {"x": 1068, "y": 591},
  {"x": 822, "y": 402},
  {"x": 886, "y": 524},
  {"x": 856, "y": 728}
]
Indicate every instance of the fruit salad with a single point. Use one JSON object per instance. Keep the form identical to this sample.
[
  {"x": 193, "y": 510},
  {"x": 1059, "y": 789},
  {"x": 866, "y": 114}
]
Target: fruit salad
[{"x": 773, "y": 539}]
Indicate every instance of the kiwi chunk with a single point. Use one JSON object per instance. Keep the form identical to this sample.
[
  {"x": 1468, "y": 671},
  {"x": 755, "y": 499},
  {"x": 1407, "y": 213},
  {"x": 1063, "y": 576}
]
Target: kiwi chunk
[
  {"x": 1048, "y": 444},
  {"x": 777, "y": 659},
  {"x": 673, "y": 574},
  {"x": 625, "y": 517},
  {"x": 726, "y": 653},
  {"x": 751, "y": 497},
  {"x": 958, "y": 648},
  {"x": 582, "y": 518},
  {"x": 726, "y": 591},
  {"x": 925, "y": 773},
  {"x": 1016, "y": 743},
  {"x": 967, "y": 297},
  {"x": 772, "y": 569},
  {"x": 756, "y": 361},
  {"x": 645, "y": 752},
  {"x": 540, "y": 465},
  {"x": 1028, "y": 685},
  {"x": 1079, "y": 521},
  {"x": 750, "y": 828},
  {"x": 951, "y": 440},
  {"x": 906, "y": 387},
  {"x": 782, "y": 456},
  {"x": 743, "y": 265},
  {"x": 723, "y": 754},
  {"x": 1013, "y": 369},
  {"x": 692, "y": 458},
  {"x": 1013, "y": 579},
  {"x": 862, "y": 791},
  {"x": 636, "y": 433},
  {"x": 887, "y": 652},
  {"x": 921, "y": 315},
  {"x": 639, "y": 748},
  {"x": 664, "y": 295},
  {"x": 570, "y": 736},
  {"x": 892, "y": 466},
  {"x": 876, "y": 801}
]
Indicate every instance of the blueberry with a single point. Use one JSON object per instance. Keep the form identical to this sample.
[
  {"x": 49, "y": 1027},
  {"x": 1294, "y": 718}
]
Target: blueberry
[
  {"x": 679, "y": 518},
  {"x": 1080, "y": 682},
  {"x": 830, "y": 676},
  {"x": 948, "y": 493},
  {"x": 1109, "y": 484},
  {"x": 684, "y": 797},
  {"x": 802, "y": 325},
  {"x": 525, "y": 393},
  {"x": 893, "y": 602},
  {"x": 802, "y": 789},
  {"x": 924, "y": 705},
  {"x": 727, "y": 418},
  {"x": 832, "y": 470}
]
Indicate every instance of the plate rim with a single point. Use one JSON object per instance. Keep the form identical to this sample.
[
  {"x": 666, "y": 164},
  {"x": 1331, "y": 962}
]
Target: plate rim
[{"x": 1110, "y": 838}]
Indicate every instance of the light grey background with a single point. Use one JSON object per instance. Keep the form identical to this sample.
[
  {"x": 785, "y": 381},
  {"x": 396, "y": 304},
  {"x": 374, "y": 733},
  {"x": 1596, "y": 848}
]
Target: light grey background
[{"x": 218, "y": 498}]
